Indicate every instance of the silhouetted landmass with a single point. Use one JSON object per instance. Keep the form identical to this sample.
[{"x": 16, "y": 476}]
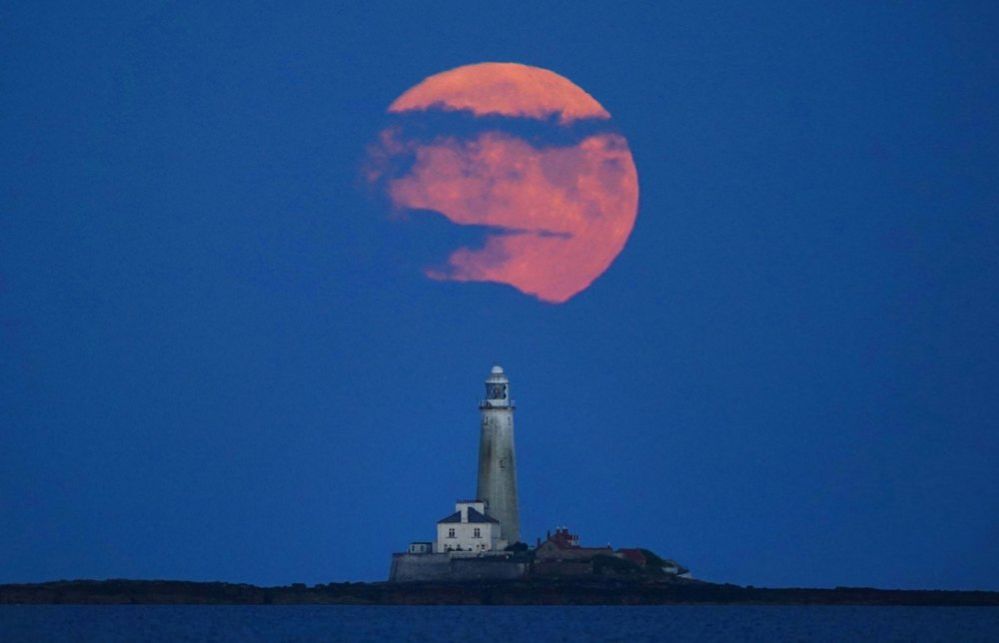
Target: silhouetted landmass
[{"x": 519, "y": 592}]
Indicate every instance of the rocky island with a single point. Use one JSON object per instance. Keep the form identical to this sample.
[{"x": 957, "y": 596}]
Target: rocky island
[{"x": 535, "y": 591}]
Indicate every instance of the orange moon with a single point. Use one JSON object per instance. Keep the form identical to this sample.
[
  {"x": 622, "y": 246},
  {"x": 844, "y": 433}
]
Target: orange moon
[{"x": 541, "y": 168}]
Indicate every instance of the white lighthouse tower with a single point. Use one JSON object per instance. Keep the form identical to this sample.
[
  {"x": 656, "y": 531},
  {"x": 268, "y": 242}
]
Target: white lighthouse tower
[{"x": 497, "y": 465}]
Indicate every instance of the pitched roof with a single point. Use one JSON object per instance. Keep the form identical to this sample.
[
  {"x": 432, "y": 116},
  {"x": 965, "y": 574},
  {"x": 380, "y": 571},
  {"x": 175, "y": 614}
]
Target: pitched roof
[
  {"x": 634, "y": 555},
  {"x": 473, "y": 516}
]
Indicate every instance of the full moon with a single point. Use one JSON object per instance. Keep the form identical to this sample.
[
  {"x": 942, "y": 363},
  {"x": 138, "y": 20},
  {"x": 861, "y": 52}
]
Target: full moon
[{"x": 522, "y": 153}]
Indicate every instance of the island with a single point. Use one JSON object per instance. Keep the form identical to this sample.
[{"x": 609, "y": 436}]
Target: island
[{"x": 534, "y": 591}]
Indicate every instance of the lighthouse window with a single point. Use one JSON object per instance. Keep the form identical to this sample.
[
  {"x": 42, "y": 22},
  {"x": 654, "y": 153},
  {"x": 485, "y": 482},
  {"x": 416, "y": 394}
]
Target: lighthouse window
[
  {"x": 477, "y": 533},
  {"x": 450, "y": 532}
]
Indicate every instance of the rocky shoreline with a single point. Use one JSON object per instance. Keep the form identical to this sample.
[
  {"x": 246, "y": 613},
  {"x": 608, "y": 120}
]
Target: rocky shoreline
[{"x": 519, "y": 592}]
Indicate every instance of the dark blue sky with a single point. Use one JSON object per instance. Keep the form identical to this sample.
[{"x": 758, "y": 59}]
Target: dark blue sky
[{"x": 219, "y": 360}]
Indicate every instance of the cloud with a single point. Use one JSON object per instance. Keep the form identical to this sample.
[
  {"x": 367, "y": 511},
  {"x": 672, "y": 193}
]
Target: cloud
[{"x": 558, "y": 215}]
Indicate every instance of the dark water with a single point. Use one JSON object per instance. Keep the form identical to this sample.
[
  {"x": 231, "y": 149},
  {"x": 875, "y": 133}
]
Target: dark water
[{"x": 494, "y": 624}]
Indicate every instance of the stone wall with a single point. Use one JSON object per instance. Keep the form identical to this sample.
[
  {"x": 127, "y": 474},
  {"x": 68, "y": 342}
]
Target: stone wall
[{"x": 442, "y": 567}]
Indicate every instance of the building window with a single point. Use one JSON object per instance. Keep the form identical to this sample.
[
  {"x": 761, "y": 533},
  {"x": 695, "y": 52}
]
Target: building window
[
  {"x": 477, "y": 533},
  {"x": 450, "y": 532}
]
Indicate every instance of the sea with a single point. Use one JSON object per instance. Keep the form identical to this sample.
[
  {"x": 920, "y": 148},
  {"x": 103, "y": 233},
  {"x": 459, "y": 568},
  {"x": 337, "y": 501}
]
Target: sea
[{"x": 108, "y": 623}]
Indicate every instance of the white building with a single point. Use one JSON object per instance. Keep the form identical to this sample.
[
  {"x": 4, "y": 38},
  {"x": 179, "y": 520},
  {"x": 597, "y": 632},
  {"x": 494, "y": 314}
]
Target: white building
[
  {"x": 420, "y": 547},
  {"x": 469, "y": 531}
]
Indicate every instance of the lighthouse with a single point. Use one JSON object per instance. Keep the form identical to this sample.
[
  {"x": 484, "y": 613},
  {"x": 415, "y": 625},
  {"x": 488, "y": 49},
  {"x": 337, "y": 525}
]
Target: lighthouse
[{"x": 497, "y": 465}]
